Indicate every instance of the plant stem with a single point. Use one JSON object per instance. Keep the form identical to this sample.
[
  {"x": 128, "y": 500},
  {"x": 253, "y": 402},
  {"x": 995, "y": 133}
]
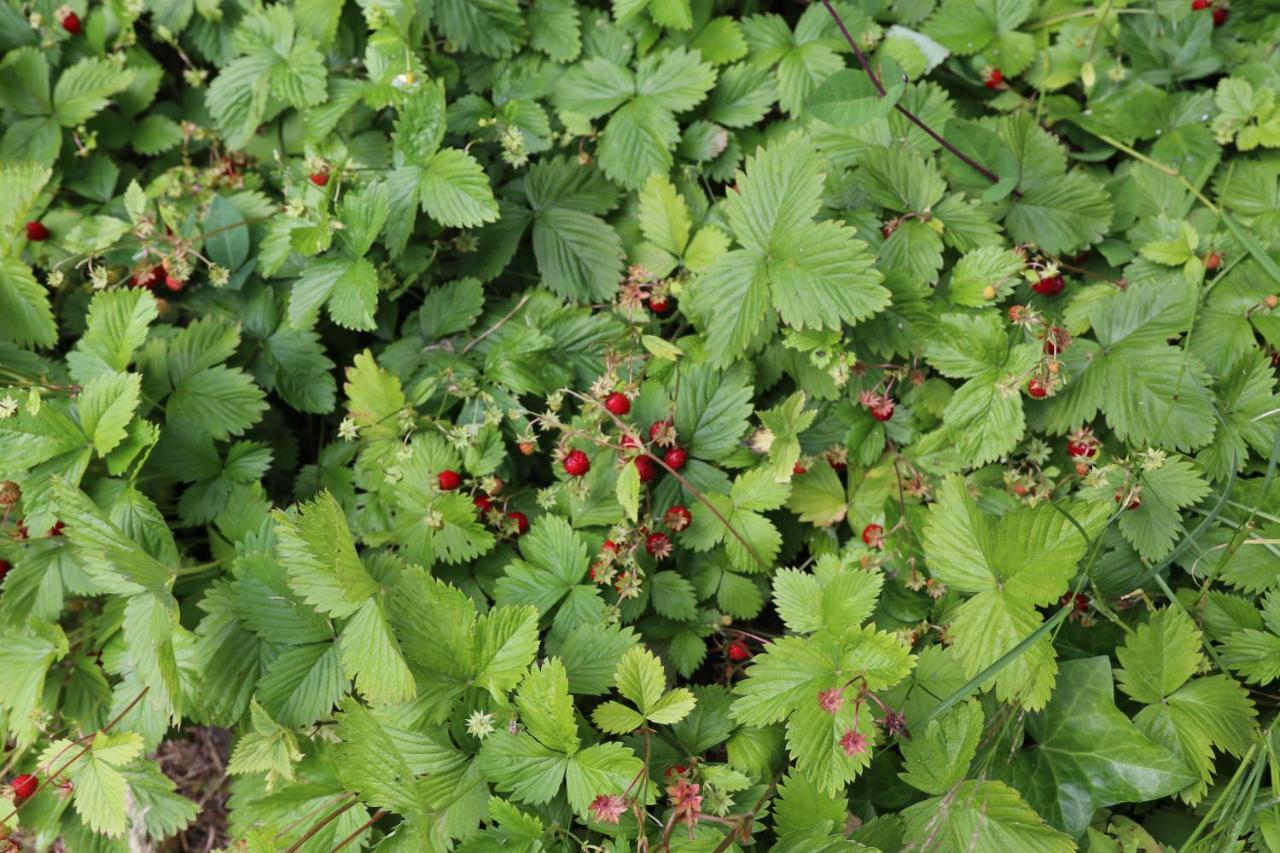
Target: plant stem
[
  {"x": 377, "y": 816},
  {"x": 328, "y": 819},
  {"x": 911, "y": 117}
]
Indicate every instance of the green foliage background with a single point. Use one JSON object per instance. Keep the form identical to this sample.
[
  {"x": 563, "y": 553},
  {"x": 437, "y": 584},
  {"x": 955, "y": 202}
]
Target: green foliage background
[{"x": 962, "y": 314}]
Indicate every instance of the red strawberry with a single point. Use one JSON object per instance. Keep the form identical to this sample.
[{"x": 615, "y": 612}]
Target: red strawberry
[
  {"x": 611, "y": 546},
  {"x": 992, "y": 78},
  {"x": 677, "y": 518},
  {"x": 656, "y": 428},
  {"x": 738, "y": 651},
  {"x": 648, "y": 471},
  {"x": 448, "y": 480},
  {"x": 1056, "y": 339},
  {"x": 1078, "y": 449},
  {"x": 521, "y": 520},
  {"x": 1220, "y": 17},
  {"x": 1037, "y": 389},
  {"x": 1200, "y": 5},
  {"x": 675, "y": 458},
  {"x": 873, "y": 536},
  {"x": 70, "y": 22},
  {"x": 57, "y": 528},
  {"x": 4, "y": 568},
  {"x": 36, "y": 232},
  {"x": 527, "y": 448},
  {"x": 1212, "y": 261},
  {"x": 320, "y": 179},
  {"x": 882, "y": 410},
  {"x": 630, "y": 441},
  {"x": 798, "y": 469},
  {"x": 24, "y": 787},
  {"x": 660, "y": 304},
  {"x": 483, "y": 504},
  {"x": 174, "y": 283},
  {"x": 617, "y": 403},
  {"x": 1050, "y": 285},
  {"x": 576, "y": 463},
  {"x": 658, "y": 545}
]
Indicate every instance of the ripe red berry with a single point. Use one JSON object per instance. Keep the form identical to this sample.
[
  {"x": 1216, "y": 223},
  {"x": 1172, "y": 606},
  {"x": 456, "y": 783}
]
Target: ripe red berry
[
  {"x": 738, "y": 651},
  {"x": 36, "y": 232},
  {"x": 648, "y": 471},
  {"x": 1220, "y": 16},
  {"x": 1056, "y": 339},
  {"x": 4, "y": 568},
  {"x": 174, "y": 283},
  {"x": 576, "y": 463},
  {"x": 24, "y": 787},
  {"x": 1037, "y": 389},
  {"x": 320, "y": 179},
  {"x": 798, "y": 469},
  {"x": 1050, "y": 285},
  {"x": 617, "y": 403},
  {"x": 1079, "y": 449},
  {"x": 521, "y": 520},
  {"x": 1200, "y": 5},
  {"x": 675, "y": 458},
  {"x": 57, "y": 528},
  {"x": 882, "y": 410},
  {"x": 658, "y": 545},
  {"x": 71, "y": 22},
  {"x": 992, "y": 78},
  {"x": 448, "y": 480},
  {"x": 677, "y": 518},
  {"x": 483, "y": 504},
  {"x": 660, "y": 304},
  {"x": 610, "y": 545},
  {"x": 1212, "y": 261},
  {"x": 873, "y": 536},
  {"x": 656, "y": 428}
]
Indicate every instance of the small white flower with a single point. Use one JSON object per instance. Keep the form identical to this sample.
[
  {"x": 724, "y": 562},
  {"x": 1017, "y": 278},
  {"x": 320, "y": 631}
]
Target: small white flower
[
  {"x": 480, "y": 724},
  {"x": 347, "y": 430},
  {"x": 8, "y": 407}
]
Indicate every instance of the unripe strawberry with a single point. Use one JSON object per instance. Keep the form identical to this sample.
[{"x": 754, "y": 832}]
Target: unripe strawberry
[
  {"x": 320, "y": 179},
  {"x": 648, "y": 471},
  {"x": 70, "y": 22},
  {"x": 1212, "y": 261},
  {"x": 675, "y": 458},
  {"x": 448, "y": 480},
  {"x": 1037, "y": 389},
  {"x": 10, "y": 493},
  {"x": 24, "y": 787},
  {"x": 36, "y": 232},
  {"x": 521, "y": 520},
  {"x": 576, "y": 463},
  {"x": 1082, "y": 468},
  {"x": 1050, "y": 285},
  {"x": 992, "y": 78},
  {"x": 617, "y": 403},
  {"x": 677, "y": 518},
  {"x": 873, "y": 536},
  {"x": 738, "y": 651},
  {"x": 527, "y": 448},
  {"x": 1017, "y": 313},
  {"x": 658, "y": 545}
]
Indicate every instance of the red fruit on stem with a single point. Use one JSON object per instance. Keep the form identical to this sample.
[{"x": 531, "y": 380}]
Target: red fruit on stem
[
  {"x": 1200, "y": 5},
  {"x": 1079, "y": 449},
  {"x": 1017, "y": 313},
  {"x": 610, "y": 545},
  {"x": 656, "y": 428},
  {"x": 992, "y": 78},
  {"x": 71, "y": 22},
  {"x": 658, "y": 545},
  {"x": 798, "y": 469},
  {"x": 173, "y": 283},
  {"x": 57, "y": 528},
  {"x": 675, "y": 458},
  {"x": 1037, "y": 389},
  {"x": 24, "y": 787},
  {"x": 873, "y": 536},
  {"x": 1212, "y": 261},
  {"x": 576, "y": 463},
  {"x": 738, "y": 651},
  {"x": 617, "y": 403},
  {"x": 648, "y": 471},
  {"x": 320, "y": 179},
  {"x": 1220, "y": 17},
  {"x": 659, "y": 304},
  {"x": 1056, "y": 339},
  {"x": 630, "y": 441},
  {"x": 448, "y": 480},
  {"x": 483, "y": 504},
  {"x": 677, "y": 518},
  {"x": 4, "y": 568},
  {"x": 36, "y": 232},
  {"x": 521, "y": 520},
  {"x": 1050, "y": 285},
  {"x": 883, "y": 409}
]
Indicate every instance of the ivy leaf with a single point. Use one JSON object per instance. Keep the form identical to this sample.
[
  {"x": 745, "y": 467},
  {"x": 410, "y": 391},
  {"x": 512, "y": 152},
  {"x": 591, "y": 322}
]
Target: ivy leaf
[{"x": 1088, "y": 755}]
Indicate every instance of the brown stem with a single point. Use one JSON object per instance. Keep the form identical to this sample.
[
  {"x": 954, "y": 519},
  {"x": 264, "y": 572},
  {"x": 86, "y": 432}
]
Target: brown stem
[
  {"x": 498, "y": 325},
  {"x": 911, "y": 117},
  {"x": 377, "y": 816},
  {"x": 744, "y": 823},
  {"x": 328, "y": 819}
]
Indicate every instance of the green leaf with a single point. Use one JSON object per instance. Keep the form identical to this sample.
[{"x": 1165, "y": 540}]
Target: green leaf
[
  {"x": 106, "y": 405},
  {"x": 546, "y": 709},
  {"x": 982, "y": 816},
  {"x": 454, "y": 190},
  {"x": 1088, "y": 755},
  {"x": 85, "y": 88},
  {"x": 268, "y": 748},
  {"x": 25, "y": 305},
  {"x": 848, "y": 98},
  {"x": 937, "y": 759},
  {"x": 319, "y": 555}
]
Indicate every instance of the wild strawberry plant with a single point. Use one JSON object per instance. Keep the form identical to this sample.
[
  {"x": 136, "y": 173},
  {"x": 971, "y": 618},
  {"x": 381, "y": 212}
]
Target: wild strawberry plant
[{"x": 658, "y": 425}]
